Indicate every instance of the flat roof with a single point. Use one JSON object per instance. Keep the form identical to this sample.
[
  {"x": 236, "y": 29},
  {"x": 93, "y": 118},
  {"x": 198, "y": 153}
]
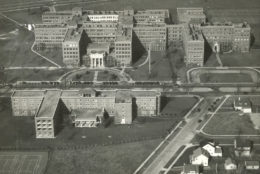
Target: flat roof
[
  {"x": 123, "y": 96},
  {"x": 77, "y": 93},
  {"x": 73, "y": 35},
  {"x": 29, "y": 93},
  {"x": 86, "y": 114},
  {"x": 49, "y": 104}
]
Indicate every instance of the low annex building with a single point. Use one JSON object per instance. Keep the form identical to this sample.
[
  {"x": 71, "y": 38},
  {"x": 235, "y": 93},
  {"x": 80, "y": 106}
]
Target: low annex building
[
  {"x": 230, "y": 164},
  {"x": 88, "y": 107}
]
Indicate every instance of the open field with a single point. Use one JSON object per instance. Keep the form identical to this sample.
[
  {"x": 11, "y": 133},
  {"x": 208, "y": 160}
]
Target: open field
[
  {"x": 230, "y": 123},
  {"x": 15, "y": 46},
  {"x": 225, "y": 78},
  {"x": 114, "y": 159},
  {"x": 29, "y": 16},
  {"x": 251, "y": 58},
  {"x": 238, "y": 15},
  {"x": 11, "y": 76},
  {"x": 23, "y": 162},
  {"x": 54, "y": 54},
  {"x": 223, "y": 75},
  {"x": 172, "y": 4},
  {"x": 164, "y": 67},
  {"x": 107, "y": 76},
  {"x": 81, "y": 76},
  {"x": 20, "y": 131},
  {"x": 178, "y": 106}
]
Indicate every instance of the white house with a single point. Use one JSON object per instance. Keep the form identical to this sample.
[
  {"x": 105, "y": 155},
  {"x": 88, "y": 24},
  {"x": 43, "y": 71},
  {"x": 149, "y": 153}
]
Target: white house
[
  {"x": 230, "y": 164},
  {"x": 243, "y": 105},
  {"x": 252, "y": 165},
  {"x": 199, "y": 157},
  {"x": 190, "y": 169},
  {"x": 213, "y": 150}
]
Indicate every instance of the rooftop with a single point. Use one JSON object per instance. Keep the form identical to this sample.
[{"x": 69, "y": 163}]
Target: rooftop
[
  {"x": 86, "y": 114},
  {"x": 50, "y": 26},
  {"x": 49, "y": 104},
  {"x": 30, "y": 93},
  {"x": 123, "y": 96},
  {"x": 123, "y": 34},
  {"x": 73, "y": 35}
]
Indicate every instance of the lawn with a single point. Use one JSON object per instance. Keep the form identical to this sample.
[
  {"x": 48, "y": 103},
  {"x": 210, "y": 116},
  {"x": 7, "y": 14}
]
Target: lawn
[
  {"x": 115, "y": 159},
  {"x": 251, "y": 58},
  {"x": 166, "y": 4},
  {"x": 12, "y": 76},
  {"x": 230, "y": 123},
  {"x": 54, "y": 54},
  {"x": 15, "y": 46},
  {"x": 81, "y": 76},
  {"x": 178, "y": 106},
  {"x": 164, "y": 67},
  {"x": 107, "y": 76},
  {"x": 225, "y": 78}
]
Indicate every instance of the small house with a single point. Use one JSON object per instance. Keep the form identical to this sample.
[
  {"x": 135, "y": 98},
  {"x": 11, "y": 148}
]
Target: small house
[
  {"x": 213, "y": 150},
  {"x": 242, "y": 147},
  {"x": 230, "y": 164},
  {"x": 200, "y": 157},
  {"x": 243, "y": 105},
  {"x": 190, "y": 169},
  {"x": 252, "y": 165}
]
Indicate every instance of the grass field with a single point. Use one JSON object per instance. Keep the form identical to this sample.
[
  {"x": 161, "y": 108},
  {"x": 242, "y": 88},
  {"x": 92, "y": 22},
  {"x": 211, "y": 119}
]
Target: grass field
[
  {"x": 23, "y": 162},
  {"x": 54, "y": 54},
  {"x": 107, "y": 76},
  {"x": 230, "y": 123},
  {"x": 116, "y": 159},
  {"x": 225, "y": 78},
  {"x": 241, "y": 59},
  {"x": 31, "y": 16},
  {"x": 12, "y": 76},
  {"x": 81, "y": 76},
  {"x": 15, "y": 46},
  {"x": 178, "y": 106},
  {"x": 164, "y": 67}
]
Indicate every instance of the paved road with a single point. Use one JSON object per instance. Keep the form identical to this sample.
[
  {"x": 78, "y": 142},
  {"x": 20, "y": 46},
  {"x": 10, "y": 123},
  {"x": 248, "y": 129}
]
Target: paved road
[{"x": 185, "y": 135}]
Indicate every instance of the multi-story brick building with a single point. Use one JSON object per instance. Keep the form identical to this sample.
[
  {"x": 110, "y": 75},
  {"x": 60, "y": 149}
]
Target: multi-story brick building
[
  {"x": 49, "y": 35},
  {"x": 154, "y": 34},
  {"x": 228, "y": 36},
  {"x": 47, "y": 116},
  {"x": 174, "y": 35},
  {"x": 154, "y": 16},
  {"x": 191, "y": 15},
  {"x": 241, "y": 37},
  {"x": 193, "y": 43},
  {"x": 120, "y": 104},
  {"x": 123, "y": 47},
  {"x": 150, "y": 29},
  {"x": 26, "y": 103},
  {"x": 73, "y": 47}
]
